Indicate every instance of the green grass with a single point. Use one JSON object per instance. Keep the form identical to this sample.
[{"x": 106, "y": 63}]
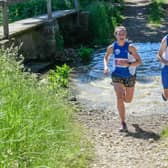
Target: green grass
[
  {"x": 36, "y": 125},
  {"x": 156, "y": 12},
  {"x": 164, "y": 133}
]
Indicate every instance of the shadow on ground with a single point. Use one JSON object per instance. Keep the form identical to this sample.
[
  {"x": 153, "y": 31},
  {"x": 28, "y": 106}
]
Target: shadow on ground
[{"x": 142, "y": 134}]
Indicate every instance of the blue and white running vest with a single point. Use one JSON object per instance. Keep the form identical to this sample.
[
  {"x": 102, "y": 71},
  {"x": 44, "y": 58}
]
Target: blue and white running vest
[{"x": 122, "y": 53}]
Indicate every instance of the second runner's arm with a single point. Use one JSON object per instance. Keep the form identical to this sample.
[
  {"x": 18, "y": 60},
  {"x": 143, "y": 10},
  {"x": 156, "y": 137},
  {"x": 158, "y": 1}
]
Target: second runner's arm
[
  {"x": 134, "y": 53},
  {"x": 161, "y": 51}
]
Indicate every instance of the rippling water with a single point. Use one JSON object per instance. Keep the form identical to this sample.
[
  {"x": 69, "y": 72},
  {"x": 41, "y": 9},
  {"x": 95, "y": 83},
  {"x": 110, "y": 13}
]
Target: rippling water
[
  {"x": 95, "y": 91},
  {"x": 147, "y": 51}
]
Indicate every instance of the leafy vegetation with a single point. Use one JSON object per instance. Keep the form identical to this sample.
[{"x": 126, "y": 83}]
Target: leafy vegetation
[
  {"x": 85, "y": 54},
  {"x": 60, "y": 77},
  {"x": 156, "y": 12},
  {"x": 104, "y": 17},
  {"x": 36, "y": 125}
]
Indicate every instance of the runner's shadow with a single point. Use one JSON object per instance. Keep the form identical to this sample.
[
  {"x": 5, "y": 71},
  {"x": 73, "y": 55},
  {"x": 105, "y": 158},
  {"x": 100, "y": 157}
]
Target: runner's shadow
[{"x": 142, "y": 134}]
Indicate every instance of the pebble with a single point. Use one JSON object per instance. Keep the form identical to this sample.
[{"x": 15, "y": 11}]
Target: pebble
[{"x": 151, "y": 140}]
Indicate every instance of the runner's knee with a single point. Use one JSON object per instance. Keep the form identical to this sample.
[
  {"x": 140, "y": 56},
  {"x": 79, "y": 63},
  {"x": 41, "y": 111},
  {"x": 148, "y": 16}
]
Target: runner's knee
[{"x": 128, "y": 100}]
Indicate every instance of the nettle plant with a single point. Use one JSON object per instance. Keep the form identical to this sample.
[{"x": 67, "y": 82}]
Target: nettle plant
[{"x": 59, "y": 77}]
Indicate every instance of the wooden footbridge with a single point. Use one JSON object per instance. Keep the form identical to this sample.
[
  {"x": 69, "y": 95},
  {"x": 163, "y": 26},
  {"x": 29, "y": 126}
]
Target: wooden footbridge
[{"x": 9, "y": 30}]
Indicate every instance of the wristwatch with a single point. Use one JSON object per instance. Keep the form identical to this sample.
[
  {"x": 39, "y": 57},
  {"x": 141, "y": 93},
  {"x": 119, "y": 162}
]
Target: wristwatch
[{"x": 129, "y": 63}]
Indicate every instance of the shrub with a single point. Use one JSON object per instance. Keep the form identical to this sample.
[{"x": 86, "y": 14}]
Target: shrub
[
  {"x": 60, "y": 77},
  {"x": 85, "y": 54},
  {"x": 104, "y": 17},
  {"x": 156, "y": 12},
  {"x": 99, "y": 26}
]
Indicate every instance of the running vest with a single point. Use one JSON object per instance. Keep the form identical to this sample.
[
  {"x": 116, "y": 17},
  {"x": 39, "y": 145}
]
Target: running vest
[{"x": 122, "y": 53}]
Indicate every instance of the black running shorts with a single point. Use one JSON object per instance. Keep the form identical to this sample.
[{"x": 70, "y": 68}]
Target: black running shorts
[{"x": 127, "y": 82}]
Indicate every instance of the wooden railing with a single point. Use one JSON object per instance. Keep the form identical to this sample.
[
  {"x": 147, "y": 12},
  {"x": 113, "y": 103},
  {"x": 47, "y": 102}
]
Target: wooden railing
[{"x": 4, "y": 5}]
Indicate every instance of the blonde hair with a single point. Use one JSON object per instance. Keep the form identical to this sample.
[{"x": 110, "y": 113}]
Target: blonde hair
[{"x": 118, "y": 29}]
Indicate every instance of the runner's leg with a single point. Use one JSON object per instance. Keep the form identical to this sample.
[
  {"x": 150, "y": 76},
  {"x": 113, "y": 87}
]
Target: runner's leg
[
  {"x": 166, "y": 93},
  {"x": 129, "y": 93},
  {"x": 120, "y": 93}
]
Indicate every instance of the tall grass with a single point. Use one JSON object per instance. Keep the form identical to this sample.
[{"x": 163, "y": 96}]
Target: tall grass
[
  {"x": 164, "y": 133},
  {"x": 36, "y": 125}
]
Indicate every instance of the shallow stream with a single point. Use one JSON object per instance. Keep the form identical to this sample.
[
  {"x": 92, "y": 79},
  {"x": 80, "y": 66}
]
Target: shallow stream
[{"x": 95, "y": 91}]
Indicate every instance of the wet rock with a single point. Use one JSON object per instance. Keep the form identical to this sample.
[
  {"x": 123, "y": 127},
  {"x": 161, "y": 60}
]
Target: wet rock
[{"x": 72, "y": 98}]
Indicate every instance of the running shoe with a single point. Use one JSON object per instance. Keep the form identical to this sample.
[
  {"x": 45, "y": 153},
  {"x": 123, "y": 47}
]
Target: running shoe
[
  {"x": 163, "y": 97},
  {"x": 123, "y": 127}
]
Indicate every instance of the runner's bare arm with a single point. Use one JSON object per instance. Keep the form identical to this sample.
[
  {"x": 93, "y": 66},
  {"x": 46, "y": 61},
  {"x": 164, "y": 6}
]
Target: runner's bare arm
[
  {"x": 107, "y": 57},
  {"x": 162, "y": 49},
  {"x": 134, "y": 53}
]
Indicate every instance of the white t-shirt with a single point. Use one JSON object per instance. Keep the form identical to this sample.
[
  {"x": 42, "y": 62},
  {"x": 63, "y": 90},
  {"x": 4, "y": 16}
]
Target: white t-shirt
[
  {"x": 165, "y": 54},
  {"x": 132, "y": 69}
]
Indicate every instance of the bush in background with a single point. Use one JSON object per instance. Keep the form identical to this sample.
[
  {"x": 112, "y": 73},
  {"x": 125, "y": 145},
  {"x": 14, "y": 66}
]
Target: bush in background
[
  {"x": 156, "y": 12},
  {"x": 85, "y": 54},
  {"x": 104, "y": 17}
]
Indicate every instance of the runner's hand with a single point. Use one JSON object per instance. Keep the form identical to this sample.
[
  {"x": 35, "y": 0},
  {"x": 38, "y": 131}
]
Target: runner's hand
[{"x": 106, "y": 70}]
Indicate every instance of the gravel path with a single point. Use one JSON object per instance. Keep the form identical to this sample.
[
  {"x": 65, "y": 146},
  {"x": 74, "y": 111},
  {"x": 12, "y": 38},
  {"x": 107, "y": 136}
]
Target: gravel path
[
  {"x": 147, "y": 116},
  {"x": 141, "y": 147}
]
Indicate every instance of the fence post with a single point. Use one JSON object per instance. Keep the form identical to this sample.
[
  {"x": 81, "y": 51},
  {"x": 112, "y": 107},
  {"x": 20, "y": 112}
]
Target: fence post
[
  {"x": 76, "y": 2},
  {"x": 5, "y": 19},
  {"x": 49, "y": 9}
]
